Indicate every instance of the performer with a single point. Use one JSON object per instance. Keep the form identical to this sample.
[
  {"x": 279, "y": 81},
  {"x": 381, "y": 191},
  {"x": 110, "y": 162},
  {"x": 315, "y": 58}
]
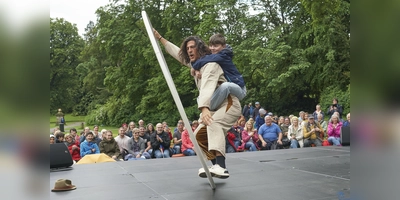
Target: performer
[{"x": 214, "y": 125}]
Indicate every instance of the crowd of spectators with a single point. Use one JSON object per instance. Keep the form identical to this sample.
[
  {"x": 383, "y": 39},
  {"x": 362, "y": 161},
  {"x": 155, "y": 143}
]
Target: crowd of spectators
[{"x": 266, "y": 132}]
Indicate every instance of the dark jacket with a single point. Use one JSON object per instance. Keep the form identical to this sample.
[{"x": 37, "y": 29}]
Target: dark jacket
[
  {"x": 110, "y": 148},
  {"x": 338, "y": 109},
  {"x": 224, "y": 59},
  {"x": 155, "y": 144}
]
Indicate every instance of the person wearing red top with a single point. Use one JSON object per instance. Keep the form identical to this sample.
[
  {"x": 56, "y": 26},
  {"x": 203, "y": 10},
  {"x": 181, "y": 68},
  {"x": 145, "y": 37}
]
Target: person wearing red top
[
  {"x": 250, "y": 137},
  {"x": 334, "y": 130},
  {"x": 187, "y": 145},
  {"x": 73, "y": 147}
]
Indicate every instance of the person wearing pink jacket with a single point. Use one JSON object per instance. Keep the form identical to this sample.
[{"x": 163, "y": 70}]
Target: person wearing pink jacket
[{"x": 334, "y": 130}]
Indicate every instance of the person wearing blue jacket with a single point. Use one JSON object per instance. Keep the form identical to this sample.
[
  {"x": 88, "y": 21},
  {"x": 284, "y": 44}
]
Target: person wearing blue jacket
[
  {"x": 222, "y": 54},
  {"x": 89, "y": 146}
]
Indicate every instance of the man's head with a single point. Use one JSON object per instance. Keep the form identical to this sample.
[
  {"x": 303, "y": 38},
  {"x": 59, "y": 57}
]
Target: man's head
[
  {"x": 95, "y": 128},
  {"x": 216, "y": 43},
  {"x": 141, "y": 122},
  {"x": 192, "y": 49},
  {"x": 72, "y": 131},
  {"x": 52, "y": 139},
  {"x": 59, "y": 136},
  {"x": 287, "y": 121},
  {"x": 159, "y": 128},
  {"x": 121, "y": 131},
  {"x": 257, "y": 104},
  {"x": 142, "y": 130},
  {"x": 108, "y": 135},
  {"x": 268, "y": 120},
  {"x": 180, "y": 125},
  {"x": 135, "y": 133},
  {"x": 335, "y": 101},
  {"x": 311, "y": 119},
  {"x": 318, "y": 107}
]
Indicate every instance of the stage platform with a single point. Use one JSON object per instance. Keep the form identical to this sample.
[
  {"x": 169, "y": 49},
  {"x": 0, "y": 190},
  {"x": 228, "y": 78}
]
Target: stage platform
[{"x": 309, "y": 173}]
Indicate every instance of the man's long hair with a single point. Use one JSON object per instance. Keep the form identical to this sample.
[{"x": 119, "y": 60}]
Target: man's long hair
[{"x": 202, "y": 48}]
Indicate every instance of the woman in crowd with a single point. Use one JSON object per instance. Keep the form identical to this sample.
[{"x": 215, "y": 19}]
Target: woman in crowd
[
  {"x": 295, "y": 134},
  {"x": 131, "y": 126},
  {"x": 52, "y": 139},
  {"x": 250, "y": 137},
  {"x": 136, "y": 147},
  {"x": 322, "y": 122},
  {"x": 150, "y": 129},
  {"x": 187, "y": 144},
  {"x": 318, "y": 111},
  {"x": 73, "y": 147},
  {"x": 334, "y": 130}
]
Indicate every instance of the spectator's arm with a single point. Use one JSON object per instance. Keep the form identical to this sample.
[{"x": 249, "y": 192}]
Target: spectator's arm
[
  {"x": 70, "y": 149},
  {"x": 166, "y": 142},
  {"x": 148, "y": 146},
  {"x": 305, "y": 133},
  {"x": 84, "y": 151},
  {"x": 142, "y": 147},
  {"x": 130, "y": 146},
  {"x": 101, "y": 147},
  {"x": 280, "y": 135},
  {"x": 245, "y": 136},
  {"x": 97, "y": 149},
  {"x": 116, "y": 150},
  {"x": 299, "y": 136},
  {"x": 155, "y": 144},
  {"x": 330, "y": 130},
  {"x": 261, "y": 137}
]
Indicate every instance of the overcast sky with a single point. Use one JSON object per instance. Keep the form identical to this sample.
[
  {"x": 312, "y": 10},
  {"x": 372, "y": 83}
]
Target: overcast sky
[{"x": 78, "y": 12}]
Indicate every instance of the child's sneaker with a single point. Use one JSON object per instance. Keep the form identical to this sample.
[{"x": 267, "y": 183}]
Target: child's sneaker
[{"x": 219, "y": 172}]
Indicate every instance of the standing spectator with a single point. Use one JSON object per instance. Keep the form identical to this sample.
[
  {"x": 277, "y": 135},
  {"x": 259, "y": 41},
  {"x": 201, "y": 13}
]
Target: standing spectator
[
  {"x": 260, "y": 119},
  {"x": 322, "y": 122},
  {"x": 52, "y": 139},
  {"x": 347, "y": 122},
  {"x": 270, "y": 135},
  {"x": 160, "y": 142},
  {"x": 256, "y": 110},
  {"x": 187, "y": 145},
  {"x": 74, "y": 135},
  {"x": 177, "y": 138},
  {"x": 110, "y": 147},
  {"x": 122, "y": 140},
  {"x": 295, "y": 132},
  {"x": 141, "y": 123},
  {"x": 248, "y": 111},
  {"x": 136, "y": 147},
  {"x": 335, "y": 107},
  {"x": 250, "y": 137},
  {"x": 144, "y": 135},
  {"x": 334, "y": 130},
  {"x": 312, "y": 132},
  {"x": 73, "y": 147},
  {"x": 89, "y": 146},
  {"x": 318, "y": 111}
]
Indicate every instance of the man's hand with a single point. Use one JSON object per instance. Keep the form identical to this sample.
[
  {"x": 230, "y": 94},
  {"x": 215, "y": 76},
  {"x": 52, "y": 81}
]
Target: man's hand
[
  {"x": 93, "y": 150},
  {"x": 293, "y": 137},
  {"x": 138, "y": 156},
  {"x": 279, "y": 142},
  {"x": 263, "y": 143},
  {"x": 195, "y": 73},
  {"x": 114, "y": 157},
  {"x": 206, "y": 116},
  {"x": 156, "y": 34}
]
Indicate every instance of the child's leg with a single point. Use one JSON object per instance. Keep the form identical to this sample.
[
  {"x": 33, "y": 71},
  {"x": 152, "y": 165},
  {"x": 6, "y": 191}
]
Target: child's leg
[{"x": 222, "y": 92}]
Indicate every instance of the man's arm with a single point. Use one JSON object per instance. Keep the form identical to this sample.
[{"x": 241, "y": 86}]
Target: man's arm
[{"x": 305, "y": 133}]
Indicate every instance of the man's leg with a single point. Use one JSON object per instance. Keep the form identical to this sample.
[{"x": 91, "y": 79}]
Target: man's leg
[
  {"x": 294, "y": 144},
  {"x": 219, "y": 170},
  {"x": 166, "y": 153},
  {"x": 317, "y": 142},
  {"x": 307, "y": 143},
  {"x": 222, "y": 92},
  {"x": 158, "y": 154}
]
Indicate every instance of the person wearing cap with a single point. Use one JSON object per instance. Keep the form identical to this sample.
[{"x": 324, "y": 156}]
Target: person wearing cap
[
  {"x": 312, "y": 132},
  {"x": 260, "y": 119},
  {"x": 256, "y": 110},
  {"x": 52, "y": 139}
]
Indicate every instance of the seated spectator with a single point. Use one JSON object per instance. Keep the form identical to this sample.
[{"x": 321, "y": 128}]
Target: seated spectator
[
  {"x": 177, "y": 138},
  {"x": 160, "y": 142},
  {"x": 136, "y": 147},
  {"x": 73, "y": 147},
  {"x": 318, "y": 111},
  {"x": 233, "y": 138},
  {"x": 144, "y": 135},
  {"x": 95, "y": 138},
  {"x": 96, "y": 133},
  {"x": 285, "y": 130},
  {"x": 187, "y": 145},
  {"x": 340, "y": 119},
  {"x": 323, "y": 123},
  {"x": 242, "y": 123},
  {"x": 270, "y": 135},
  {"x": 295, "y": 134},
  {"x": 150, "y": 129},
  {"x": 260, "y": 118},
  {"x": 109, "y": 146},
  {"x": 59, "y": 137},
  {"x": 52, "y": 139},
  {"x": 281, "y": 120},
  {"x": 128, "y": 131},
  {"x": 141, "y": 123},
  {"x": 334, "y": 130},
  {"x": 83, "y": 136},
  {"x": 312, "y": 132},
  {"x": 74, "y": 135},
  {"x": 122, "y": 140},
  {"x": 89, "y": 146},
  {"x": 305, "y": 120},
  {"x": 347, "y": 122},
  {"x": 103, "y": 133},
  {"x": 250, "y": 137}
]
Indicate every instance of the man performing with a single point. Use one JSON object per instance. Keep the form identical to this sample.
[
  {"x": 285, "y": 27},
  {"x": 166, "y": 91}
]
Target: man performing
[{"x": 214, "y": 125}]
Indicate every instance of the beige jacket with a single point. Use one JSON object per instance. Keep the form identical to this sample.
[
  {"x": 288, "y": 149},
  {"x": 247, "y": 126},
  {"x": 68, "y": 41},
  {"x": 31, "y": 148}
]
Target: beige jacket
[{"x": 223, "y": 118}]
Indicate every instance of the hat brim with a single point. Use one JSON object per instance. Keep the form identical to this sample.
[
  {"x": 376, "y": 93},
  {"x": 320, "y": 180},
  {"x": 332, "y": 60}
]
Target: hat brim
[{"x": 72, "y": 187}]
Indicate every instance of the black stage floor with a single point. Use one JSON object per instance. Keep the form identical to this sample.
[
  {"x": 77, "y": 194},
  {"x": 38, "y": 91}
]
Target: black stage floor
[{"x": 307, "y": 173}]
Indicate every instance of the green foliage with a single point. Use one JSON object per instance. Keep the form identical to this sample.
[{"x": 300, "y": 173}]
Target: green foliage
[{"x": 292, "y": 54}]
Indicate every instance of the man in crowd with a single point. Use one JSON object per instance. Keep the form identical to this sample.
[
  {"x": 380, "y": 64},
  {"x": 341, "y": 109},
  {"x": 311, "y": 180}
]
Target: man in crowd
[
  {"x": 89, "y": 146},
  {"x": 312, "y": 132},
  {"x": 160, "y": 143},
  {"x": 122, "y": 140},
  {"x": 177, "y": 138},
  {"x": 270, "y": 135}
]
